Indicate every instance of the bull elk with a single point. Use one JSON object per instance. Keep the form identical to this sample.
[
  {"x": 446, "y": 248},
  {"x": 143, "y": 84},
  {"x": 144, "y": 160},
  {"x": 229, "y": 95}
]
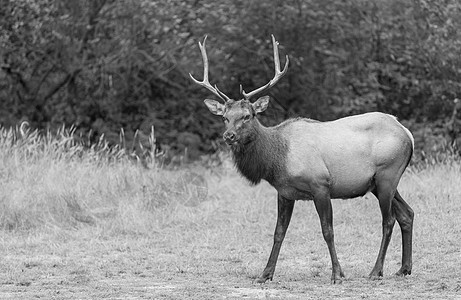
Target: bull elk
[{"x": 305, "y": 159}]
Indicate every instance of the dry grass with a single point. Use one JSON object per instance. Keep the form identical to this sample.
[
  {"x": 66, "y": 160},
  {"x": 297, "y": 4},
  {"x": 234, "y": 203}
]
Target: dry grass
[{"x": 90, "y": 223}]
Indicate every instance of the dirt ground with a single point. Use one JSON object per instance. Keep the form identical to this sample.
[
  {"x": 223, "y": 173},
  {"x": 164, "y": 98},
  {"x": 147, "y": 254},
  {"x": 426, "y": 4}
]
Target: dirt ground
[{"x": 74, "y": 265}]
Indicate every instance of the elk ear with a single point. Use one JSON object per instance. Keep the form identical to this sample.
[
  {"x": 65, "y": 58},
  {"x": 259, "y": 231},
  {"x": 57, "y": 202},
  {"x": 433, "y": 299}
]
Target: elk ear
[
  {"x": 261, "y": 104},
  {"x": 215, "y": 107}
]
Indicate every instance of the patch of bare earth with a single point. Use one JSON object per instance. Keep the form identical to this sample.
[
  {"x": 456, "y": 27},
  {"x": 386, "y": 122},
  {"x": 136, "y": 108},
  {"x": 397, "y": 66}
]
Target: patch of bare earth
[{"x": 78, "y": 266}]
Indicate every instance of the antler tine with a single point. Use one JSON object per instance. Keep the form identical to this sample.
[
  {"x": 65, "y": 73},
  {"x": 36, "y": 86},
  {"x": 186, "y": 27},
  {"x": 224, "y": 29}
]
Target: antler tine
[
  {"x": 221, "y": 94},
  {"x": 277, "y": 58},
  {"x": 278, "y": 74},
  {"x": 205, "y": 82}
]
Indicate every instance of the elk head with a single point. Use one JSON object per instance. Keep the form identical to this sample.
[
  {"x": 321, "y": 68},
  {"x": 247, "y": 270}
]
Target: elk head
[{"x": 239, "y": 115}]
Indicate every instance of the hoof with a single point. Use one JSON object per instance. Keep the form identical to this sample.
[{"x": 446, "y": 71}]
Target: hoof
[
  {"x": 376, "y": 275},
  {"x": 335, "y": 279},
  {"x": 403, "y": 272},
  {"x": 262, "y": 279}
]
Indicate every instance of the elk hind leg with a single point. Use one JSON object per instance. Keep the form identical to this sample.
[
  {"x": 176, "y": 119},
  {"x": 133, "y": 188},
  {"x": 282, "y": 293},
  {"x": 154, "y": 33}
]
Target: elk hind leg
[
  {"x": 384, "y": 191},
  {"x": 404, "y": 215}
]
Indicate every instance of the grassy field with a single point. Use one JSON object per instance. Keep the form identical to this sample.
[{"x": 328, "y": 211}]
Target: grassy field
[{"x": 80, "y": 223}]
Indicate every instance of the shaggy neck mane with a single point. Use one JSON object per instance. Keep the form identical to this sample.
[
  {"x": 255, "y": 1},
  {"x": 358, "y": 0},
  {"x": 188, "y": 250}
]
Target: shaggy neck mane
[{"x": 262, "y": 156}]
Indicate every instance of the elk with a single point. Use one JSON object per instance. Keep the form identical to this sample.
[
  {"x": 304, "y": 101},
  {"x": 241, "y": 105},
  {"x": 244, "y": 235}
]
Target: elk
[{"x": 304, "y": 159}]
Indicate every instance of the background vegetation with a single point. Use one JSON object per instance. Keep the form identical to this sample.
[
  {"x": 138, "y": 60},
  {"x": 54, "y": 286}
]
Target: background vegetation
[{"x": 103, "y": 65}]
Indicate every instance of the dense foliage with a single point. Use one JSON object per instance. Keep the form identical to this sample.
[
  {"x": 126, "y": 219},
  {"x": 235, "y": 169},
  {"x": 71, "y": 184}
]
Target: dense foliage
[{"x": 103, "y": 65}]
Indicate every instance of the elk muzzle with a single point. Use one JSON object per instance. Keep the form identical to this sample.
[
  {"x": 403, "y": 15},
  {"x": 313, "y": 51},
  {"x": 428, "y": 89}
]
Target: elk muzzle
[{"x": 230, "y": 137}]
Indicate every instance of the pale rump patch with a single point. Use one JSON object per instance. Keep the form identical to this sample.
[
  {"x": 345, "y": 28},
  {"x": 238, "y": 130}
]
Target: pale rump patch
[{"x": 410, "y": 135}]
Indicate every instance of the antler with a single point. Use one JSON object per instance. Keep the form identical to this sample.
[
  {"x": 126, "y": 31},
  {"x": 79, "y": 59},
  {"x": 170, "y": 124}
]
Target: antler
[
  {"x": 278, "y": 74},
  {"x": 205, "y": 83}
]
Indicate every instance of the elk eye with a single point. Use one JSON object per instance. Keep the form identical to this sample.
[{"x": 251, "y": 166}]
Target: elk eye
[{"x": 246, "y": 118}]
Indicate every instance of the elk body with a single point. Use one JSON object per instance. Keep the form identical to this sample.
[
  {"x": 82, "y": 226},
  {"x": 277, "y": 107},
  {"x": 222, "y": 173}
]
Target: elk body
[{"x": 305, "y": 159}]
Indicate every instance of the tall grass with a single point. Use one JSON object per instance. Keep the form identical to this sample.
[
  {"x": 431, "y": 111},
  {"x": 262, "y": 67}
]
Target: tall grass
[{"x": 56, "y": 180}]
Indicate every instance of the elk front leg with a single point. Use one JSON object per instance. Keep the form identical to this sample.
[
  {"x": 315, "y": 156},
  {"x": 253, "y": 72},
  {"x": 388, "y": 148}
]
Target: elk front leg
[
  {"x": 325, "y": 211},
  {"x": 285, "y": 210}
]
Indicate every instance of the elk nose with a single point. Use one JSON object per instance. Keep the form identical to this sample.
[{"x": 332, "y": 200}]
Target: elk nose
[{"x": 229, "y": 137}]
